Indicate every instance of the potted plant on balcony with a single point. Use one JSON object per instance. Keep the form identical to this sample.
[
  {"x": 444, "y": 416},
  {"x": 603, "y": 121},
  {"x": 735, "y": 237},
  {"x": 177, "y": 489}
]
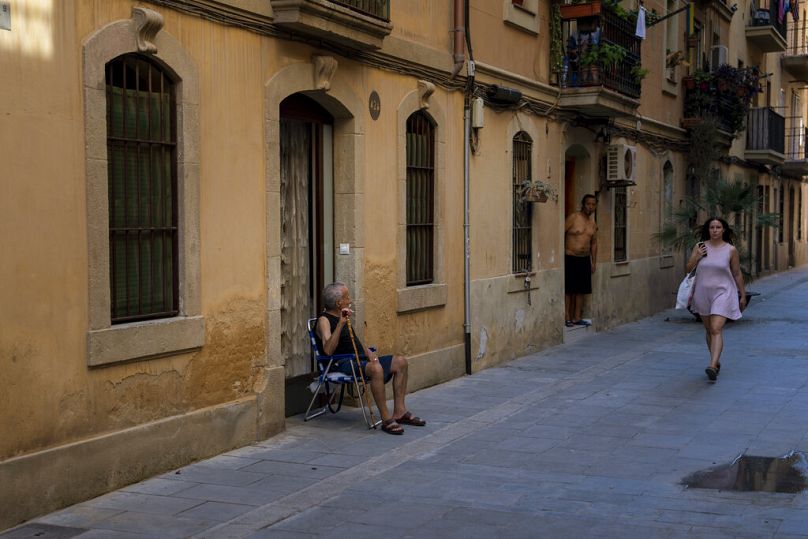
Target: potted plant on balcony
[
  {"x": 537, "y": 191},
  {"x": 609, "y": 55},
  {"x": 589, "y": 63},
  {"x": 639, "y": 73},
  {"x": 576, "y": 10}
]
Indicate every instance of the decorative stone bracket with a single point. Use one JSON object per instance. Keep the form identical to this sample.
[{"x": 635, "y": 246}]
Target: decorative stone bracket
[
  {"x": 147, "y": 23},
  {"x": 324, "y": 68},
  {"x": 425, "y": 91}
]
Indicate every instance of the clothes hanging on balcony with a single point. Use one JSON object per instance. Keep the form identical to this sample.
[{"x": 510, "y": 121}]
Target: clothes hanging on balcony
[
  {"x": 795, "y": 13},
  {"x": 782, "y": 10},
  {"x": 640, "y": 30}
]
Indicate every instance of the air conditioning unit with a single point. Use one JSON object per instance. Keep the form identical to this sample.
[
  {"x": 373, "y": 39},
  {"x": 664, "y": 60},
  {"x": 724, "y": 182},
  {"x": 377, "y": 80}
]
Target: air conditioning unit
[
  {"x": 719, "y": 55},
  {"x": 621, "y": 164}
]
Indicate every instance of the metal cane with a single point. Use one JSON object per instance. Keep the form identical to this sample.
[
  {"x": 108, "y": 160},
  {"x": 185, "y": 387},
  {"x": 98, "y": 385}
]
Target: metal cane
[{"x": 361, "y": 375}]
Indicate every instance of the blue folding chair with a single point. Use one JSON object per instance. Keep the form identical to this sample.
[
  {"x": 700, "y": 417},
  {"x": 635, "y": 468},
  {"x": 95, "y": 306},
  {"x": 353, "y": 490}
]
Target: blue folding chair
[{"x": 331, "y": 383}]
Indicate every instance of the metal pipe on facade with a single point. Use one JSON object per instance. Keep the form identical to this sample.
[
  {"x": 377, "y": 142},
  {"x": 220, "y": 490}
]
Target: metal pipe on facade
[
  {"x": 458, "y": 51},
  {"x": 466, "y": 191}
]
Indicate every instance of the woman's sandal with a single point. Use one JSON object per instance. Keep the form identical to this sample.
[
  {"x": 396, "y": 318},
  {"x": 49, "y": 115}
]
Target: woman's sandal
[
  {"x": 712, "y": 373},
  {"x": 409, "y": 419},
  {"x": 391, "y": 426},
  {"x": 717, "y": 368}
]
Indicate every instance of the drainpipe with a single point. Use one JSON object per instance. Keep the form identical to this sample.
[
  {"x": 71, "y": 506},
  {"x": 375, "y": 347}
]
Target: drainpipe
[
  {"x": 466, "y": 151},
  {"x": 458, "y": 55}
]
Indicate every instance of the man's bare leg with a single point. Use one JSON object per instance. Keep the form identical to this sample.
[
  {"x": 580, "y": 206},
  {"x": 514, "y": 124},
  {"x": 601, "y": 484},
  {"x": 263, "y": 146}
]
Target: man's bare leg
[
  {"x": 376, "y": 374},
  {"x": 399, "y": 368},
  {"x": 577, "y": 306},
  {"x": 568, "y": 306}
]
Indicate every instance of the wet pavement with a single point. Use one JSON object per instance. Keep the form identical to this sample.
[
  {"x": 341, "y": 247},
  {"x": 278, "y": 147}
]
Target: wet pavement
[{"x": 589, "y": 439}]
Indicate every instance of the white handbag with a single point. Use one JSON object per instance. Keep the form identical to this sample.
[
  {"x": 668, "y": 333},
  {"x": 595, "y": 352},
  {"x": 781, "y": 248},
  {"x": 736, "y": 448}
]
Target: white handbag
[{"x": 685, "y": 292}]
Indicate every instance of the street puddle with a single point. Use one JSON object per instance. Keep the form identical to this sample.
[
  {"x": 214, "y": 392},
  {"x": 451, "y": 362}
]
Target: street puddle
[{"x": 788, "y": 474}]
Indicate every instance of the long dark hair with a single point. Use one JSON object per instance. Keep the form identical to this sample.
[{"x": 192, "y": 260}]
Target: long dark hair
[{"x": 728, "y": 235}]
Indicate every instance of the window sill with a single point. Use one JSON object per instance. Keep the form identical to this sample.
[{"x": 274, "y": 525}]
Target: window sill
[
  {"x": 416, "y": 298},
  {"x": 621, "y": 269},
  {"x": 142, "y": 340},
  {"x": 523, "y": 17}
]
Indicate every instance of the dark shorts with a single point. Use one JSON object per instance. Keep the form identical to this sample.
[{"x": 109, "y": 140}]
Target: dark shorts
[
  {"x": 577, "y": 274},
  {"x": 385, "y": 361}
]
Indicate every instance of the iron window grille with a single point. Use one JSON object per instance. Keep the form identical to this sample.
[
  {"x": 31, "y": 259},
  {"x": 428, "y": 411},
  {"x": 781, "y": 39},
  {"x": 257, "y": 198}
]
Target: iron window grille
[
  {"x": 522, "y": 210},
  {"x": 142, "y": 183},
  {"x": 420, "y": 199},
  {"x": 620, "y": 224}
]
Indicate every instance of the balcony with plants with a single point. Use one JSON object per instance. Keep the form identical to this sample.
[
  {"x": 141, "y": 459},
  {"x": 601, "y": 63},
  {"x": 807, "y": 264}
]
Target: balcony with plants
[
  {"x": 725, "y": 94},
  {"x": 356, "y": 24},
  {"x": 767, "y": 24},
  {"x": 595, "y": 57}
]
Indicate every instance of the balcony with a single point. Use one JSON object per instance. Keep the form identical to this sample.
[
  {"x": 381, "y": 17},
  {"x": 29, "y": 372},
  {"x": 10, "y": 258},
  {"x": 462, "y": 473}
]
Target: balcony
[
  {"x": 724, "y": 94},
  {"x": 795, "y": 58},
  {"x": 796, "y": 162},
  {"x": 601, "y": 74},
  {"x": 766, "y": 29},
  {"x": 356, "y": 24},
  {"x": 765, "y": 136}
]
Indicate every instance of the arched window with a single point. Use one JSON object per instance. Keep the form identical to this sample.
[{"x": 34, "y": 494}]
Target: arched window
[
  {"x": 420, "y": 199},
  {"x": 667, "y": 201},
  {"x": 522, "y": 240},
  {"x": 142, "y": 188}
]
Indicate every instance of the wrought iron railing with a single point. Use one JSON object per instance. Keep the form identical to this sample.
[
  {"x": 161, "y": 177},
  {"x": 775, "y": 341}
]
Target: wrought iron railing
[
  {"x": 797, "y": 38},
  {"x": 765, "y": 130},
  {"x": 701, "y": 103},
  {"x": 768, "y": 14},
  {"x": 375, "y": 8},
  {"x": 621, "y": 76},
  {"x": 795, "y": 142}
]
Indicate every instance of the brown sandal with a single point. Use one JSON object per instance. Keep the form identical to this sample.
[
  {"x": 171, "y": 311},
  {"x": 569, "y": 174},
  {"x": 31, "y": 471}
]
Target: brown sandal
[
  {"x": 409, "y": 419},
  {"x": 390, "y": 426}
]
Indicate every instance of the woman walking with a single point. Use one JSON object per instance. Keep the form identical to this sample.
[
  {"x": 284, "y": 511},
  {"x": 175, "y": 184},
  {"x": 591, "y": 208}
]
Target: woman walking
[{"x": 719, "y": 292}]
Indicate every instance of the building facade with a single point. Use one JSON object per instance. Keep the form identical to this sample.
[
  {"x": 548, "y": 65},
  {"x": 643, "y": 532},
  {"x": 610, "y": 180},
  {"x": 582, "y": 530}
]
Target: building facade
[{"x": 182, "y": 177}]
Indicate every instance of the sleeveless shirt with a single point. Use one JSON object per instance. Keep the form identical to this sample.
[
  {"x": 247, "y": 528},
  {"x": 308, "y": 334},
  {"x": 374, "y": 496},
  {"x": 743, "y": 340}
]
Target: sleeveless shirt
[{"x": 344, "y": 345}]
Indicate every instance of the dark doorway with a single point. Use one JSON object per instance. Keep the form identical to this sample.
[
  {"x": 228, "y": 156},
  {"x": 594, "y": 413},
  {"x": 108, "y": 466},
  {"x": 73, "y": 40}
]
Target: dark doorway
[{"x": 307, "y": 237}]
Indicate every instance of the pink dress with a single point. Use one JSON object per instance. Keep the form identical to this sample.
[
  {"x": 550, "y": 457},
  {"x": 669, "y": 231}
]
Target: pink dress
[{"x": 715, "y": 291}]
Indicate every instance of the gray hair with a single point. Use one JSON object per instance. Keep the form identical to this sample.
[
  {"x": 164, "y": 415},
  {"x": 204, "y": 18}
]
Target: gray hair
[{"x": 332, "y": 293}]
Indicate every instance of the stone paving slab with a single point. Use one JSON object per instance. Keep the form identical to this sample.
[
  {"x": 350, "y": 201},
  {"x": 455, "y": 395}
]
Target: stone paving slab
[{"x": 588, "y": 439}]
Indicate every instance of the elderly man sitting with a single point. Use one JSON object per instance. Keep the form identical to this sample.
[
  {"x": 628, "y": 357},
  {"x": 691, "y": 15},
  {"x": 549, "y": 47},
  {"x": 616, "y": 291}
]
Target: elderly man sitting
[{"x": 333, "y": 337}]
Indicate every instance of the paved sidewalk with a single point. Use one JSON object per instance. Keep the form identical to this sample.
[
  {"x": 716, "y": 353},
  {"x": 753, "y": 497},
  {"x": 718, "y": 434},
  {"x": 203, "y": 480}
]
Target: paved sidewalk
[{"x": 588, "y": 439}]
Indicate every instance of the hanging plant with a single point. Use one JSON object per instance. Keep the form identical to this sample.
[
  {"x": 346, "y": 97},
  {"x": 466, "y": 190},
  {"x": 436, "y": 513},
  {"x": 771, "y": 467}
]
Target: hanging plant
[
  {"x": 537, "y": 191},
  {"x": 556, "y": 39}
]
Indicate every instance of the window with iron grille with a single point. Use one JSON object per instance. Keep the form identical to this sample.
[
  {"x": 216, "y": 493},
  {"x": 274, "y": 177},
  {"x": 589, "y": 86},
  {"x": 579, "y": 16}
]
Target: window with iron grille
[
  {"x": 420, "y": 199},
  {"x": 141, "y": 150},
  {"x": 522, "y": 240},
  {"x": 781, "y": 219},
  {"x": 620, "y": 224}
]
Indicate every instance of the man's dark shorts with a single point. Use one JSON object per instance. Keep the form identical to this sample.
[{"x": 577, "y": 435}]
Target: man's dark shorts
[
  {"x": 385, "y": 361},
  {"x": 577, "y": 274}
]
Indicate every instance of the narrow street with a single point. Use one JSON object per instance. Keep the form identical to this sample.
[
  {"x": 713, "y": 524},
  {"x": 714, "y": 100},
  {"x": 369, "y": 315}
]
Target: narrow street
[{"x": 588, "y": 439}]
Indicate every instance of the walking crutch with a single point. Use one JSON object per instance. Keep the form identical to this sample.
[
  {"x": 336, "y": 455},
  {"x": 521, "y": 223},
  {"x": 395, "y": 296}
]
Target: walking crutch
[{"x": 372, "y": 424}]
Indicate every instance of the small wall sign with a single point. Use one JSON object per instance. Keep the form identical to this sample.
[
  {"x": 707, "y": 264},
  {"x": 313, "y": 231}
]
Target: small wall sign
[
  {"x": 374, "y": 105},
  {"x": 5, "y": 16}
]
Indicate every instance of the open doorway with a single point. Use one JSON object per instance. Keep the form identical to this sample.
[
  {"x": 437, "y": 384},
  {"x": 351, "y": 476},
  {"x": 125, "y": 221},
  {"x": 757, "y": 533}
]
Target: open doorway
[{"x": 307, "y": 234}]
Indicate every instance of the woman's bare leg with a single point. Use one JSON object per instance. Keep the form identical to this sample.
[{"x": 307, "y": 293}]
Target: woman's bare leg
[{"x": 715, "y": 338}]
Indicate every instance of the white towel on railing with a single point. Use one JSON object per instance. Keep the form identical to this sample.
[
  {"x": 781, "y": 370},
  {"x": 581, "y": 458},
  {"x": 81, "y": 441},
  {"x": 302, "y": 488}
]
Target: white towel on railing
[{"x": 640, "y": 31}]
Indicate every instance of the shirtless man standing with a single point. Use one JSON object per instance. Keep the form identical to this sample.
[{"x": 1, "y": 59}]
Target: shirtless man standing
[{"x": 580, "y": 254}]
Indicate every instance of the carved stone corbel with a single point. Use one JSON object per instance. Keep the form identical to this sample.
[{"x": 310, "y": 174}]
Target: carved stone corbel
[
  {"x": 147, "y": 23},
  {"x": 425, "y": 90},
  {"x": 324, "y": 68}
]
